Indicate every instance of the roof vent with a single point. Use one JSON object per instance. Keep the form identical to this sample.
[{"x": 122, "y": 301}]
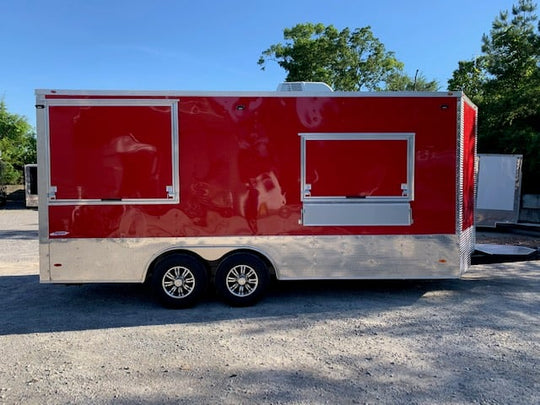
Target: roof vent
[{"x": 311, "y": 87}]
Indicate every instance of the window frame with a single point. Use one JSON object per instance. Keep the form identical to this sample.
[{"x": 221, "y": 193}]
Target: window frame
[
  {"x": 361, "y": 210},
  {"x": 172, "y": 192}
]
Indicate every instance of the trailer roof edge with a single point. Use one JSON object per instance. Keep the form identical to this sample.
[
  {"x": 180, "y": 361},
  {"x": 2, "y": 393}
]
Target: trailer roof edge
[{"x": 195, "y": 93}]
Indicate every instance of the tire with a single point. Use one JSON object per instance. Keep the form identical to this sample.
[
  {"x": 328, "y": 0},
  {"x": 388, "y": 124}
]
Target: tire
[
  {"x": 241, "y": 279},
  {"x": 179, "y": 281}
]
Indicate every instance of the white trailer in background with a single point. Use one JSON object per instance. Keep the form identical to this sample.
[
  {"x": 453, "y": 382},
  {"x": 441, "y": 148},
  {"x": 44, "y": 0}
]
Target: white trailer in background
[
  {"x": 499, "y": 189},
  {"x": 30, "y": 185}
]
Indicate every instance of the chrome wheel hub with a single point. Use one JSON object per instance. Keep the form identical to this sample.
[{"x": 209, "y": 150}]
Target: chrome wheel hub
[
  {"x": 242, "y": 280},
  {"x": 178, "y": 282}
]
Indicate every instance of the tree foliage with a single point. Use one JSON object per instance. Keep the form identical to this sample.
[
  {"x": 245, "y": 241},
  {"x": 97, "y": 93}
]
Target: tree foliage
[
  {"x": 17, "y": 146},
  {"x": 346, "y": 60},
  {"x": 505, "y": 84},
  {"x": 403, "y": 82},
  {"x": 470, "y": 77}
]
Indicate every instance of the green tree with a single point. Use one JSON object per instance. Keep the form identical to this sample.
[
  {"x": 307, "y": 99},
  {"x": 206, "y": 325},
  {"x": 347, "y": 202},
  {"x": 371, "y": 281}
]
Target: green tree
[
  {"x": 346, "y": 60},
  {"x": 402, "y": 82},
  {"x": 17, "y": 146},
  {"x": 505, "y": 83},
  {"x": 470, "y": 77}
]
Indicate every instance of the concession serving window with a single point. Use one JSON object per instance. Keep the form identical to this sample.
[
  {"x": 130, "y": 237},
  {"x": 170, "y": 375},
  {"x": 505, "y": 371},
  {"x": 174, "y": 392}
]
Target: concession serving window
[
  {"x": 112, "y": 151},
  {"x": 357, "y": 178}
]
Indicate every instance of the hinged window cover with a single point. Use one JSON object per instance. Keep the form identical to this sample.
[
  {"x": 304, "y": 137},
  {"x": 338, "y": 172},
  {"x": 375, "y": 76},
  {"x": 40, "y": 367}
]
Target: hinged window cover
[
  {"x": 113, "y": 151},
  {"x": 357, "y": 166}
]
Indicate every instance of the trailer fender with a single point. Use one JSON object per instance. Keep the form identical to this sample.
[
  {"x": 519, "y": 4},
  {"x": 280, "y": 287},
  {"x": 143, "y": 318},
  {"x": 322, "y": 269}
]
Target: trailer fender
[{"x": 211, "y": 256}]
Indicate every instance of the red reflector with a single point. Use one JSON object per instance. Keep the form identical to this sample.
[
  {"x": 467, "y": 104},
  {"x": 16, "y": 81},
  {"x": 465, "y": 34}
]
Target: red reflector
[
  {"x": 57, "y": 265},
  {"x": 442, "y": 261}
]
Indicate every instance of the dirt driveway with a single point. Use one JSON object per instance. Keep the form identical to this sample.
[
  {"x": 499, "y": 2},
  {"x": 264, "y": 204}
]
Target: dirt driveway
[{"x": 474, "y": 340}]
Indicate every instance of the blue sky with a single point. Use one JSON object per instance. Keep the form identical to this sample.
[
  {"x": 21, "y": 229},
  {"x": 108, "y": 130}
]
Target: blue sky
[{"x": 211, "y": 44}]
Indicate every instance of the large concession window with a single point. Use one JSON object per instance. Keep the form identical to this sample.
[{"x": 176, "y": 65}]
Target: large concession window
[
  {"x": 112, "y": 151},
  {"x": 357, "y": 178}
]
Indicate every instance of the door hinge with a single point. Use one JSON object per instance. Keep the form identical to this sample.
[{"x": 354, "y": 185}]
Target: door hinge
[
  {"x": 170, "y": 192},
  {"x": 52, "y": 193}
]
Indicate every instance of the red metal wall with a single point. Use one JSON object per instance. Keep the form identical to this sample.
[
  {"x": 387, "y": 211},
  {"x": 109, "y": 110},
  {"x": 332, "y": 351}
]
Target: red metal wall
[{"x": 240, "y": 167}]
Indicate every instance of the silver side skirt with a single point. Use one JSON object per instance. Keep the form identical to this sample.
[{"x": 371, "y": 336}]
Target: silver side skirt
[{"x": 293, "y": 257}]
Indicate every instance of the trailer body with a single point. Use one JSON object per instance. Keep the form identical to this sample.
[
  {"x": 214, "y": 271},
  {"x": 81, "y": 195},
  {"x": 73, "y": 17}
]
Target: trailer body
[{"x": 315, "y": 185}]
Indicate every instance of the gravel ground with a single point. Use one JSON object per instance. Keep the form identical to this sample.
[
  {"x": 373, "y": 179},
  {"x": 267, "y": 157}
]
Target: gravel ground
[{"x": 474, "y": 340}]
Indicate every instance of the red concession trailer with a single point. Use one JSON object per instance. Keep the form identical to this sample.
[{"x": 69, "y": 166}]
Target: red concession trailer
[{"x": 187, "y": 189}]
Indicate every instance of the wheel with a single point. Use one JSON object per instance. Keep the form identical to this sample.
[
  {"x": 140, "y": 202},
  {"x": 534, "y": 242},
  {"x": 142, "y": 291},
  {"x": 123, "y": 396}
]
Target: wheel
[
  {"x": 179, "y": 281},
  {"x": 241, "y": 279}
]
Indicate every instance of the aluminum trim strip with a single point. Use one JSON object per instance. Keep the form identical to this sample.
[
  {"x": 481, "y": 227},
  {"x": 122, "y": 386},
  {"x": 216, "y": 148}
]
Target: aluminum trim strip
[
  {"x": 42, "y": 121},
  {"x": 68, "y": 102},
  {"x": 360, "y": 136},
  {"x": 289, "y": 94},
  {"x": 124, "y": 201},
  {"x": 460, "y": 139}
]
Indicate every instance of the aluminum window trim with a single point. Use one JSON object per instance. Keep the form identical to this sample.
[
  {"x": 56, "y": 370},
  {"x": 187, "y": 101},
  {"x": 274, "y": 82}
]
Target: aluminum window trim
[
  {"x": 174, "y": 141},
  {"x": 361, "y": 136}
]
